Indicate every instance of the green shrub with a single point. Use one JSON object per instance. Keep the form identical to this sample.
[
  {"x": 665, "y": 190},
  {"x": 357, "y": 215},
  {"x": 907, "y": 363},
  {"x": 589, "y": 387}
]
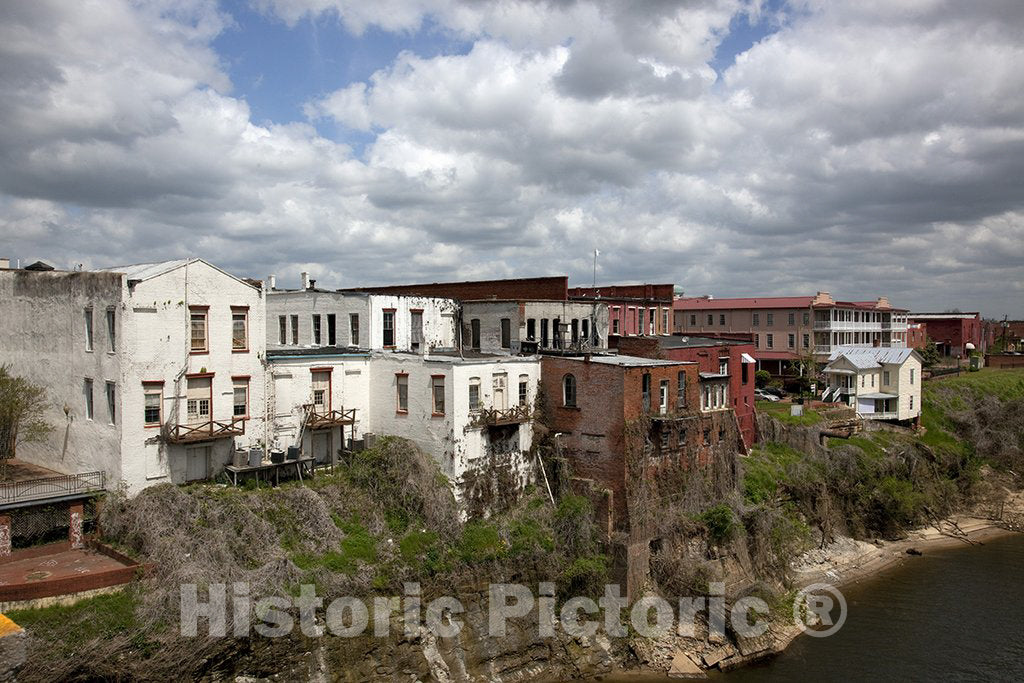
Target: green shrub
[
  {"x": 480, "y": 542},
  {"x": 720, "y": 523},
  {"x": 584, "y": 576}
]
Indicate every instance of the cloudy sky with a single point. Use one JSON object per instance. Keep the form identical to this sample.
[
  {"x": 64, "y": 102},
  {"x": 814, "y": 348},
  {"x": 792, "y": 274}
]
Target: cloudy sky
[{"x": 733, "y": 147}]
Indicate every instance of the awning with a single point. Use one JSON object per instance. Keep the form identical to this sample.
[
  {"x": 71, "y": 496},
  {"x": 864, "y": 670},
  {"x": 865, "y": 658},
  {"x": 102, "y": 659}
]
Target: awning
[
  {"x": 838, "y": 371},
  {"x": 747, "y": 358},
  {"x": 878, "y": 395}
]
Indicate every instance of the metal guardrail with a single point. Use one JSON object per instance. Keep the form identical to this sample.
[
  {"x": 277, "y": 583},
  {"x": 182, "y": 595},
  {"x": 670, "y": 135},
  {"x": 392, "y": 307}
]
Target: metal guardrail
[{"x": 51, "y": 487}]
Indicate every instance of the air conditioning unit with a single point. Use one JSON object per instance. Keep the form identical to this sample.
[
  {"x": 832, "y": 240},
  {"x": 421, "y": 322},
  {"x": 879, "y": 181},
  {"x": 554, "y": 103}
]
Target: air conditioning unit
[{"x": 369, "y": 439}]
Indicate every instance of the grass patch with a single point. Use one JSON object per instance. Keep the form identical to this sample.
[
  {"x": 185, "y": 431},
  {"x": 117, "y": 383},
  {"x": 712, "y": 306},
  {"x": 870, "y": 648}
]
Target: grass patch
[
  {"x": 99, "y": 618},
  {"x": 763, "y": 470},
  {"x": 780, "y": 411}
]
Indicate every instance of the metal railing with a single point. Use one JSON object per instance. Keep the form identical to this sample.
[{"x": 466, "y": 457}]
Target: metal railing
[
  {"x": 51, "y": 487},
  {"x": 879, "y": 416},
  {"x": 206, "y": 431}
]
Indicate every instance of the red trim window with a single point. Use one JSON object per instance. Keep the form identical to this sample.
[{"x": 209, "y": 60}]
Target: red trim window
[
  {"x": 239, "y": 329},
  {"x": 437, "y": 394},
  {"x": 199, "y": 398},
  {"x": 388, "y": 328},
  {"x": 153, "y": 401},
  {"x": 401, "y": 393},
  {"x": 240, "y": 404},
  {"x": 321, "y": 380},
  {"x": 199, "y": 341}
]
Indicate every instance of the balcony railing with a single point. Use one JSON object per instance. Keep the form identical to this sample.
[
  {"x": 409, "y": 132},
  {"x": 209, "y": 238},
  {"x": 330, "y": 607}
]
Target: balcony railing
[
  {"x": 846, "y": 326},
  {"x": 51, "y": 487},
  {"x": 496, "y": 417},
  {"x": 324, "y": 419},
  {"x": 879, "y": 416},
  {"x": 205, "y": 431}
]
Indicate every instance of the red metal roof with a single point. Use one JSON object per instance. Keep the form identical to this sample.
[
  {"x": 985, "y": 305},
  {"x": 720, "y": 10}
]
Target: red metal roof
[{"x": 702, "y": 303}]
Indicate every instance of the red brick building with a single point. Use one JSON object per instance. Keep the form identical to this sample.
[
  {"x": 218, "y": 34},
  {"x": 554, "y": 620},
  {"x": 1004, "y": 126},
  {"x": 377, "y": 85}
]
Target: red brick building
[
  {"x": 953, "y": 332},
  {"x": 633, "y": 309},
  {"x": 629, "y": 427},
  {"x": 917, "y": 335},
  {"x": 712, "y": 356}
]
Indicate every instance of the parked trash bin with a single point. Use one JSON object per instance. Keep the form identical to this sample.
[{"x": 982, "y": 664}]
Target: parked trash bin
[
  {"x": 255, "y": 457},
  {"x": 277, "y": 457},
  {"x": 294, "y": 452}
]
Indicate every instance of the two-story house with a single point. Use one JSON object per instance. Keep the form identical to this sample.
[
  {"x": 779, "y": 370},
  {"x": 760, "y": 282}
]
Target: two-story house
[{"x": 879, "y": 383}]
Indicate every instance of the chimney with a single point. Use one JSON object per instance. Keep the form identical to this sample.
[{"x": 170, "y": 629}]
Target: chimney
[
  {"x": 305, "y": 280},
  {"x": 312, "y": 284},
  {"x": 5, "y": 263},
  {"x": 271, "y": 283}
]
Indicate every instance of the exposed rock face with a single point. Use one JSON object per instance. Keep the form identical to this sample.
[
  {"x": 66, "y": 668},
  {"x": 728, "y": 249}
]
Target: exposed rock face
[
  {"x": 805, "y": 439},
  {"x": 12, "y": 649}
]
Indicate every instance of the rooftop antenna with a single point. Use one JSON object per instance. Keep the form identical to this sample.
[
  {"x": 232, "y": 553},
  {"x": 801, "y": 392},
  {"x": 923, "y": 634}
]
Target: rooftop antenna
[{"x": 596, "y": 254}]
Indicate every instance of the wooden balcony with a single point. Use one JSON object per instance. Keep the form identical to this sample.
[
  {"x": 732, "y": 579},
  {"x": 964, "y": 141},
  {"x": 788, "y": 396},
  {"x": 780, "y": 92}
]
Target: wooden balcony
[
  {"x": 205, "y": 431},
  {"x": 492, "y": 417},
  {"x": 329, "y": 418}
]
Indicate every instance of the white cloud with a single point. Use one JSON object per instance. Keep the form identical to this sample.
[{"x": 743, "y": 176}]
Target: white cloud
[{"x": 865, "y": 147}]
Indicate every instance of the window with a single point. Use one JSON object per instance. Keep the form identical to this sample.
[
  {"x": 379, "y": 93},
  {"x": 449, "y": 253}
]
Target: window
[
  {"x": 693, "y": 320},
  {"x": 353, "y": 329},
  {"x": 757, "y": 341},
  {"x": 911, "y": 401},
  {"x": 711, "y": 319},
  {"x": 531, "y": 329},
  {"x": 402, "y": 392},
  {"x": 770, "y": 339},
  {"x": 885, "y": 378},
  {"x": 757, "y": 319},
  {"x": 153, "y": 394},
  {"x": 863, "y": 379},
  {"x": 681, "y": 390},
  {"x": 239, "y": 328},
  {"x": 664, "y": 322},
  {"x": 792, "y": 340},
  {"x": 615, "y": 325},
  {"x": 585, "y": 329},
  {"x": 663, "y": 397},
  {"x": 651, "y": 320},
  {"x": 792, "y": 319},
  {"x": 437, "y": 392},
  {"x": 807, "y": 341},
  {"x": 474, "y": 334},
  {"x": 524, "y": 389},
  {"x": 723, "y": 366},
  {"x": 721, "y": 319},
  {"x": 744, "y": 375},
  {"x": 770, "y": 318},
  {"x": 415, "y": 329},
  {"x": 474, "y": 394},
  {"x": 645, "y": 391},
  {"x": 911, "y": 375},
  {"x": 295, "y": 330},
  {"x": 574, "y": 326},
  {"x": 241, "y": 397},
  {"x": 707, "y": 437},
  {"x": 872, "y": 380},
  {"x": 87, "y": 394},
  {"x": 112, "y": 402},
  {"x": 88, "y": 329},
  {"x": 332, "y": 330},
  {"x": 557, "y": 333},
  {"x": 569, "y": 391},
  {"x": 807, "y": 318},
  {"x": 316, "y": 329},
  {"x": 197, "y": 316},
  {"x": 389, "y": 328},
  {"x": 282, "y": 328},
  {"x": 506, "y": 333},
  {"x": 111, "y": 331},
  {"x": 544, "y": 332}
]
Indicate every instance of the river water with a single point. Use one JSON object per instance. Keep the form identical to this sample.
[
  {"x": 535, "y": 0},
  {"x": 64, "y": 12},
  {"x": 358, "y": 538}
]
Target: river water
[{"x": 951, "y": 614}]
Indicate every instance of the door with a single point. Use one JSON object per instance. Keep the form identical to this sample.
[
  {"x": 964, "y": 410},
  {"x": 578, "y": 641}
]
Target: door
[
  {"x": 321, "y": 392},
  {"x": 500, "y": 384},
  {"x": 199, "y": 403},
  {"x": 197, "y": 463},
  {"x": 322, "y": 446}
]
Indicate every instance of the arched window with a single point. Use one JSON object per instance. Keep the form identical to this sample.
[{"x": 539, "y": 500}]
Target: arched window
[{"x": 569, "y": 391}]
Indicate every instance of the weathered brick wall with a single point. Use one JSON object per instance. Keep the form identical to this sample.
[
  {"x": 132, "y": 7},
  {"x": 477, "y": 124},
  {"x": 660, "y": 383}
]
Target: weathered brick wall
[{"x": 1004, "y": 361}]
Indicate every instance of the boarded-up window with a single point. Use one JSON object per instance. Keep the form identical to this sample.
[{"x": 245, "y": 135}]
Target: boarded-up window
[{"x": 416, "y": 329}]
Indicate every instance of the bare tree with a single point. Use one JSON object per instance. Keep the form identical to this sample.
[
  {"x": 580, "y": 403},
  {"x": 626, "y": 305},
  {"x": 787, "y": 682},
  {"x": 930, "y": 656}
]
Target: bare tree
[{"x": 22, "y": 406}]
